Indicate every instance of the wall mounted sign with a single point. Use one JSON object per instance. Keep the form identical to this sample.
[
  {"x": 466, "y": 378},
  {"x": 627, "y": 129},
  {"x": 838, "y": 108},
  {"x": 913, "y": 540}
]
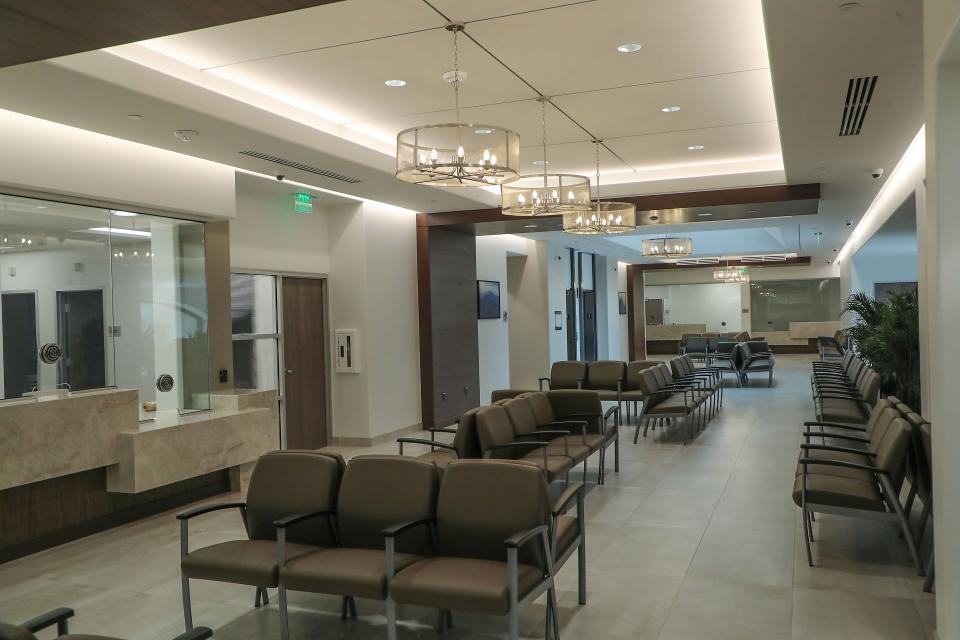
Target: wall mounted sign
[{"x": 302, "y": 203}]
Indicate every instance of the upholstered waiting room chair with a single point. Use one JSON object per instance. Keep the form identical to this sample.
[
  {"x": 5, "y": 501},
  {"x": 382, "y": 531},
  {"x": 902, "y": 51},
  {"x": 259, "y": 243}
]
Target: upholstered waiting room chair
[
  {"x": 59, "y": 618},
  {"x": 602, "y": 427},
  {"x": 465, "y": 443},
  {"x": 376, "y": 493},
  {"x": 494, "y": 553},
  {"x": 499, "y": 441},
  {"x": 566, "y": 374},
  {"x": 282, "y": 483}
]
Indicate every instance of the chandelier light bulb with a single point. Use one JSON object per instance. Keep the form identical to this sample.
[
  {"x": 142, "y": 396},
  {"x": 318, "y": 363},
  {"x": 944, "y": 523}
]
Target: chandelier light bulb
[{"x": 460, "y": 152}]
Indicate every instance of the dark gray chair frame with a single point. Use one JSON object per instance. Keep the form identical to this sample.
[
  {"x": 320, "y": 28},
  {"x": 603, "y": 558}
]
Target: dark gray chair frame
[{"x": 61, "y": 615}]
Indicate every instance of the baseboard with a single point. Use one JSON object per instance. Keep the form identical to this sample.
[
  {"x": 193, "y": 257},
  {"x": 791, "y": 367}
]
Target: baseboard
[{"x": 340, "y": 441}]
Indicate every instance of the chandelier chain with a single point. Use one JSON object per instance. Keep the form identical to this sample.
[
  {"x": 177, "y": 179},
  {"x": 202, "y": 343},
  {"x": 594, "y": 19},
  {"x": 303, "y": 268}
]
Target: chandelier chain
[{"x": 456, "y": 74}]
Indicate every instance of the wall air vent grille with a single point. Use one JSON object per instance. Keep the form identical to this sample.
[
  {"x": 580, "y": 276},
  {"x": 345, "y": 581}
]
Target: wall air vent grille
[
  {"x": 695, "y": 261},
  {"x": 859, "y": 94},
  {"x": 293, "y": 164}
]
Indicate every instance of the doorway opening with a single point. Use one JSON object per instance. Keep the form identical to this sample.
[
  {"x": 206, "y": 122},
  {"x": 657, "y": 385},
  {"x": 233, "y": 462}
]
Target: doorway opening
[{"x": 80, "y": 333}]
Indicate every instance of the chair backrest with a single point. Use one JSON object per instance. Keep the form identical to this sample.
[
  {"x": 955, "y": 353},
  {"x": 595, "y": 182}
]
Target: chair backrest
[
  {"x": 578, "y": 405},
  {"x": 650, "y": 384},
  {"x": 696, "y": 344},
  {"x": 875, "y": 414},
  {"x": 890, "y": 451},
  {"x": 686, "y": 338},
  {"x": 521, "y": 416},
  {"x": 542, "y": 409},
  {"x": 840, "y": 336},
  {"x": 726, "y": 346},
  {"x": 567, "y": 374},
  {"x": 482, "y": 503},
  {"x": 15, "y": 632},
  {"x": 713, "y": 341},
  {"x": 678, "y": 366},
  {"x": 743, "y": 336},
  {"x": 466, "y": 440},
  {"x": 869, "y": 387},
  {"x": 379, "y": 491},
  {"x": 879, "y": 428},
  {"x": 605, "y": 374},
  {"x": 494, "y": 428},
  {"x": 287, "y": 482},
  {"x": 664, "y": 376},
  {"x": 632, "y": 376}
]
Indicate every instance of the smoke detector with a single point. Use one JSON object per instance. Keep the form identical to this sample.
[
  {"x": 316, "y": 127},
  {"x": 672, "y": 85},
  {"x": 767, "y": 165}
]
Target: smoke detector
[{"x": 185, "y": 135}]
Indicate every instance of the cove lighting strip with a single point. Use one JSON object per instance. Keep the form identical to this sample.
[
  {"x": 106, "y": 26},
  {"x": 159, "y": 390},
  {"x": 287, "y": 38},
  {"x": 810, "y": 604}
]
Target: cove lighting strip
[
  {"x": 121, "y": 232},
  {"x": 902, "y": 182}
]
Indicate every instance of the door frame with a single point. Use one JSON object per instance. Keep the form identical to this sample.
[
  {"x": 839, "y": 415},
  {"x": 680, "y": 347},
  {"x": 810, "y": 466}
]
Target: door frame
[
  {"x": 281, "y": 365},
  {"x": 107, "y": 352}
]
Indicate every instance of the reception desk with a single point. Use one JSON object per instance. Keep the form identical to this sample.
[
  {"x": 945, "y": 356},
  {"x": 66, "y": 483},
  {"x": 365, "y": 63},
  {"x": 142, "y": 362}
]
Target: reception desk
[{"x": 81, "y": 463}]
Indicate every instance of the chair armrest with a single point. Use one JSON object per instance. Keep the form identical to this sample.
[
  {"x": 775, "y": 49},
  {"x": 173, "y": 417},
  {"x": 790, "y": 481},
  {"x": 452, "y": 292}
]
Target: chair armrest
[
  {"x": 57, "y": 617},
  {"x": 442, "y": 430},
  {"x": 430, "y": 443},
  {"x": 288, "y": 521},
  {"x": 197, "y": 633},
  {"x": 569, "y": 495},
  {"x": 573, "y": 424},
  {"x": 836, "y": 436},
  {"x": 610, "y": 412},
  {"x": 827, "y": 447},
  {"x": 556, "y": 433},
  {"x": 199, "y": 511},
  {"x": 394, "y": 530},
  {"x": 840, "y": 396},
  {"x": 839, "y": 463},
  {"x": 839, "y": 425},
  {"x": 517, "y": 540}
]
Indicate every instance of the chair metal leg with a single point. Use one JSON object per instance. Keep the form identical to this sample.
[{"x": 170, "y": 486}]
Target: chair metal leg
[
  {"x": 806, "y": 536},
  {"x": 552, "y": 597},
  {"x": 616, "y": 453},
  {"x": 449, "y": 615},
  {"x": 928, "y": 581},
  {"x": 284, "y": 621},
  {"x": 187, "y": 611},
  {"x": 904, "y": 523},
  {"x": 924, "y": 517},
  {"x": 582, "y": 573},
  {"x": 344, "y": 608},
  {"x": 391, "y": 618},
  {"x": 441, "y": 621}
]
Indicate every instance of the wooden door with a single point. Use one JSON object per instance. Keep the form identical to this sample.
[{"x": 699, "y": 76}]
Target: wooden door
[{"x": 304, "y": 361}]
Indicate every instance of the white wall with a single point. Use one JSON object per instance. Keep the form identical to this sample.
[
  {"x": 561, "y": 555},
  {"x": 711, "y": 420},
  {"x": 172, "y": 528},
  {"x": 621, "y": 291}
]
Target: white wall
[
  {"x": 558, "y": 280},
  {"x": 867, "y": 271},
  {"x": 267, "y": 235},
  {"x": 708, "y": 303},
  {"x": 530, "y": 321},
  {"x": 494, "y": 335},
  {"x": 55, "y": 158}
]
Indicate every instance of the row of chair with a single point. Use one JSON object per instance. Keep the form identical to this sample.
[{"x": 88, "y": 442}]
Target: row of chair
[
  {"x": 739, "y": 358},
  {"x": 481, "y": 537},
  {"x": 859, "y": 470},
  {"x": 679, "y": 393},
  {"x": 832, "y": 348},
  {"x": 553, "y": 430},
  {"x": 844, "y": 391}
]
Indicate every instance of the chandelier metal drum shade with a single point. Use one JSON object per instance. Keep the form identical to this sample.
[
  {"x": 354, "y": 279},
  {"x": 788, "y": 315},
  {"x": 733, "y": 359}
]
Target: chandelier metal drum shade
[
  {"x": 457, "y": 154},
  {"x": 547, "y": 193},
  {"x": 667, "y": 247},
  {"x": 603, "y": 217}
]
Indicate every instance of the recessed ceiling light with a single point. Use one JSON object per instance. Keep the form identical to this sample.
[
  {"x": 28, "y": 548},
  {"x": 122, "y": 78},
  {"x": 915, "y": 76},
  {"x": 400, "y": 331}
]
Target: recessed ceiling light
[
  {"x": 395, "y": 83},
  {"x": 529, "y": 226},
  {"x": 41, "y": 206},
  {"x": 124, "y": 214},
  {"x": 670, "y": 109},
  {"x": 704, "y": 214},
  {"x": 135, "y": 116},
  {"x": 482, "y": 132},
  {"x": 695, "y": 147},
  {"x": 654, "y": 218},
  {"x": 540, "y": 163},
  {"x": 630, "y": 47}
]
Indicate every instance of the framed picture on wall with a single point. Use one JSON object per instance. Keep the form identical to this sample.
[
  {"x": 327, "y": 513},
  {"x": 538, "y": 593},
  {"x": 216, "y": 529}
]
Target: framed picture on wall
[
  {"x": 488, "y": 299},
  {"x": 622, "y": 298}
]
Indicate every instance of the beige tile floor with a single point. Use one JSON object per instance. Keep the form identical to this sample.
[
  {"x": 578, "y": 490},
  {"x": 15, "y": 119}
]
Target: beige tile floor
[{"x": 697, "y": 541}]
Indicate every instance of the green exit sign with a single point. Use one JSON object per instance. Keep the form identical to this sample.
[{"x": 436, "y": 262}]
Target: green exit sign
[{"x": 302, "y": 202}]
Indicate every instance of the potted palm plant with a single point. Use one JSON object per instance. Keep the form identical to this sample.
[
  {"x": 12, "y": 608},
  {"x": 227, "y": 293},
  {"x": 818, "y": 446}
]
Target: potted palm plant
[{"x": 886, "y": 334}]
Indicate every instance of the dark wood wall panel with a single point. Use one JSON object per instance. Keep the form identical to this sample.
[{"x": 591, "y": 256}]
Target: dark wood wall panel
[
  {"x": 44, "y": 514},
  {"x": 636, "y": 315},
  {"x": 39, "y": 29},
  {"x": 449, "y": 349}
]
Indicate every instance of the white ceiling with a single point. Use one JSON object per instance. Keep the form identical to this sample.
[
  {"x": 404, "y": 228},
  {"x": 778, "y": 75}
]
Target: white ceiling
[{"x": 308, "y": 85}]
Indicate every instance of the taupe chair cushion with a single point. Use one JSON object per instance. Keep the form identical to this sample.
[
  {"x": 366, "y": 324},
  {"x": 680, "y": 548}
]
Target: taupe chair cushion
[
  {"x": 353, "y": 572},
  {"x": 541, "y": 406},
  {"x": 571, "y": 402},
  {"x": 521, "y": 416},
  {"x": 464, "y": 584},
  {"x": 862, "y": 493},
  {"x": 506, "y": 394},
  {"x": 567, "y": 374},
  {"x": 252, "y": 562},
  {"x": 605, "y": 374},
  {"x": 632, "y": 376},
  {"x": 520, "y": 412},
  {"x": 466, "y": 440},
  {"x": 494, "y": 429}
]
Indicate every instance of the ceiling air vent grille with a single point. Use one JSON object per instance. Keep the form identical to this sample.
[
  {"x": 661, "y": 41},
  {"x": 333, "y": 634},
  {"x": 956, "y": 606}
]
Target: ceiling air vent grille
[
  {"x": 293, "y": 164},
  {"x": 767, "y": 258},
  {"x": 695, "y": 261},
  {"x": 859, "y": 94}
]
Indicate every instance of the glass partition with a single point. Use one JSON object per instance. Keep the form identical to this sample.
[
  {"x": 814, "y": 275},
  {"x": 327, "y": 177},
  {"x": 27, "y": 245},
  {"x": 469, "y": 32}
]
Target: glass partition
[
  {"x": 774, "y": 304},
  {"x": 121, "y": 294}
]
